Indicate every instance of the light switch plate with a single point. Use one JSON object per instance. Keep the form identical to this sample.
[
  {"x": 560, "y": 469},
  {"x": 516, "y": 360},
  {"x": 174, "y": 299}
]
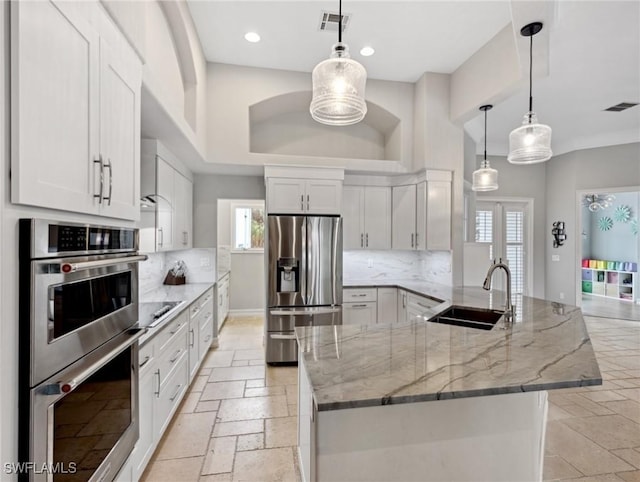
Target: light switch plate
[{"x": 555, "y": 257}]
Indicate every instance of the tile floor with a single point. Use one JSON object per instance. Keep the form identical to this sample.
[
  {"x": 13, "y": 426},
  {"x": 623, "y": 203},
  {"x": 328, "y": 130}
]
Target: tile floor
[{"x": 238, "y": 421}]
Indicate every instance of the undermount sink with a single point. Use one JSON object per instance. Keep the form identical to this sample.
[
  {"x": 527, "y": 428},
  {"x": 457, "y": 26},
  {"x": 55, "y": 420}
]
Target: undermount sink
[{"x": 481, "y": 318}]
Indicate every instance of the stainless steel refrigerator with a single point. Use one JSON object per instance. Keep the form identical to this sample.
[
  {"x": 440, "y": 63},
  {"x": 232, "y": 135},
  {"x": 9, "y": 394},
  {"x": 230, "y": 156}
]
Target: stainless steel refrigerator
[{"x": 304, "y": 279}]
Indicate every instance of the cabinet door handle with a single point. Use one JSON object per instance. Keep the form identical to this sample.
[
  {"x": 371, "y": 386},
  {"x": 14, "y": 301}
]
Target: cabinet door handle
[
  {"x": 146, "y": 360},
  {"x": 307, "y": 202},
  {"x": 416, "y": 240},
  {"x": 193, "y": 338},
  {"x": 404, "y": 300},
  {"x": 361, "y": 240},
  {"x": 366, "y": 236},
  {"x": 412, "y": 240},
  {"x": 157, "y": 392},
  {"x": 175, "y": 395},
  {"x": 301, "y": 202},
  {"x": 101, "y": 191},
  {"x": 110, "y": 167},
  {"x": 176, "y": 355},
  {"x": 161, "y": 240}
]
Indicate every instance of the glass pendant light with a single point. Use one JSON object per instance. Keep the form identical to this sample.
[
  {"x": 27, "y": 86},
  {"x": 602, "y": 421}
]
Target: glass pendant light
[
  {"x": 485, "y": 178},
  {"x": 338, "y": 87},
  {"x": 531, "y": 142}
]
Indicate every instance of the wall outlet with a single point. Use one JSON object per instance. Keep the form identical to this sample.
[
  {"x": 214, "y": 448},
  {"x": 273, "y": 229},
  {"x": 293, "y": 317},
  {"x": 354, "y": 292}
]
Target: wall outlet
[
  {"x": 555, "y": 257},
  {"x": 561, "y": 295},
  {"x": 369, "y": 263},
  {"x": 205, "y": 262}
]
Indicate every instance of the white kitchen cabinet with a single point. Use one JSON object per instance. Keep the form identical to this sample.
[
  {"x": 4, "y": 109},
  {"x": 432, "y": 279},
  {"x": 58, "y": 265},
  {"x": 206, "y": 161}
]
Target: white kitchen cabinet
[
  {"x": 402, "y": 306},
  {"x": 359, "y": 313},
  {"x": 403, "y": 219},
  {"x": 304, "y": 196},
  {"x": 366, "y": 217},
  {"x": 421, "y": 217},
  {"x": 223, "y": 299},
  {"x": 146, "y": 399},
  {"x": 183, "y": 231},
  {"x": 387, "y": 305},
  {"x": 75, "y": 107},
  {"x": 167, "y": 213},
  {"x": 200, "y": 330}
]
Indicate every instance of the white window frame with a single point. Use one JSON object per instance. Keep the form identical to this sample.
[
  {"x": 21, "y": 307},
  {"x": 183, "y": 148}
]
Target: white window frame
[{"x": 243, "y": 204}]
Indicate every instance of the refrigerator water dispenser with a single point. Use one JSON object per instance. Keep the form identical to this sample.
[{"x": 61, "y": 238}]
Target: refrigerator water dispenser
[{"x": 288, "y": 275}]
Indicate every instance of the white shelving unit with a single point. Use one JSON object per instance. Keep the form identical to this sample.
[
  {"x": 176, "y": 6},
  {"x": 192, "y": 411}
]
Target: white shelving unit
[{"x": 621, "y": 285}]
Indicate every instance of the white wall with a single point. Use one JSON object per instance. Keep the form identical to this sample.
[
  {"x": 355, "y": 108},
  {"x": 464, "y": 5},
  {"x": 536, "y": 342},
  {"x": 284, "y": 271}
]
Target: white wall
[
  {"x": 619, "y": 243},
  {"x": 593, "y": 169}
]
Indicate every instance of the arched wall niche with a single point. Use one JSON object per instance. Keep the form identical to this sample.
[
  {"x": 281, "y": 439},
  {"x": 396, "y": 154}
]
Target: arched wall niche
[{"x": 283, "y": 125}]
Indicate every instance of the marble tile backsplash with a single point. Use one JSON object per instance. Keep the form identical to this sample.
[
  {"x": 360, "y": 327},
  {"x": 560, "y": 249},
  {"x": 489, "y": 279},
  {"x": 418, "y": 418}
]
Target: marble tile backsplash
[
  {"x": 201, "y": 267},
  {"x": 371, "y": 265}
]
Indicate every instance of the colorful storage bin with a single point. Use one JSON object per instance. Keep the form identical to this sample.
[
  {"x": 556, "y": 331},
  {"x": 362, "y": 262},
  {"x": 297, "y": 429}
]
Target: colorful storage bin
[
  {"x": 585, "y": 263},
  {"x": 593, "y": 263},
  {"x": 587, "y": 286}
]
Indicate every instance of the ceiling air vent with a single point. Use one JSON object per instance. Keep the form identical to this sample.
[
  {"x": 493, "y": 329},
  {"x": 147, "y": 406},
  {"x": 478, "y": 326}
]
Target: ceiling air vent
[
  {"x": 621, "y": 106},
  {"x": 329, "y": 21}
]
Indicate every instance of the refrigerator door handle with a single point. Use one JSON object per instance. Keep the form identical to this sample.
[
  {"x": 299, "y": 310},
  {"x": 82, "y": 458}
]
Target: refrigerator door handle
[{"x": 304, "y": 272}]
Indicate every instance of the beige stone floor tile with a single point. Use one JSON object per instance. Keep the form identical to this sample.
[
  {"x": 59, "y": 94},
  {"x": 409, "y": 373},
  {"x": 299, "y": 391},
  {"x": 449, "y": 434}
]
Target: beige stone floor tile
[
  {"x": 626, "y": 408},
  {"x": 220, "y": 456},
  {"x": 268, "y": 465},
  {"x": 252, "y": 441},
  {"x": 603, "y": 396},
  {"x": 598, "y": 478},
  {"x": 628, "y": 382},
  {"x": 218, "y": 358},
  {"x": 281, "y": 432},
  {"x": 256, "y": 362},
  {"x": 222, "y": 429},
  {"x": 632, "y": 362},
  {"x": 281, "y": 376},
  {"x": 608, "y": 431},
  {"x": 174, "y": 470},
  {"x": 255, "y": 383},
  {"x": 198, "y": 383},
  {"x": 190, "y": 402},
  {"x": 236, "y": 373},
  {"x": 556, "y": 468},
  {"x": 240, "y": 363},
  {"x": 582, "y": 453},
  {"x": 293, "y": 409},
  {"x": 630, "y": 393},
  {"x": 557, "y": 413},
  {"x": 208, "y": 406},
  {"x": 252, "y": 408},
  {"x": 264, "y": 391},
  {"x": 577, "y": 410},
  {"x": 633, "y": 476},
  {"x": 606, "y": 385},
  {"x": 187, "y": 436},
  {"x": 204, "y": 371},
  {"x": 249, "y": 355},
  {"x": 614, "y": 374},
  {"x": 595, "y": 408},
  {"x": 628, "y": 455},
  {"x": 292, "y": 394},
  {"x": 221, "y": 390}
]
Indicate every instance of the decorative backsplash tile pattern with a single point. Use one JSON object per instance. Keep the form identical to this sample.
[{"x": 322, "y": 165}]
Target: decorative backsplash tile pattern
[
  {"x": 201, "y": 267},
  {"x": 373, "y": 265}
]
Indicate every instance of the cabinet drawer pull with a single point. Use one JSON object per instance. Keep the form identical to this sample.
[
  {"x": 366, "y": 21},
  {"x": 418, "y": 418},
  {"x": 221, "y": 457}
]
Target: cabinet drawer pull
[
  {"x": 157, "y": 392},
  {"x": 358, "y": 306},
  {"x": 146, "y": 360},
  {"x": 307, "y": 202},
  {"x": 412, "y": 240},
  {"x": 176, "y": 356},
  {"x": 359, "y": 295},
  {"x": 367, "y": 240},
  {"x": 175, "y": 395},
  {"x": 176, "y": 330},
  {"x": 424, "y": 306},
  {"x": 207, "y": 339}
]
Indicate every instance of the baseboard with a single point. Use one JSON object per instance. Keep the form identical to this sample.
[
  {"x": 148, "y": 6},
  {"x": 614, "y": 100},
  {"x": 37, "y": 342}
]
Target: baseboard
[{"x": 259, "y": 312}]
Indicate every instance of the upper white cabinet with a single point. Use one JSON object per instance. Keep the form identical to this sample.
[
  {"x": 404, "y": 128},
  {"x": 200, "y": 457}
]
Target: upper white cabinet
[
  {"x": 367, "y": 217},
  {"x": 167, "y": 209},
  {"x": 75, "y": 107},
  {"x": 292, "y": 190},
  {"x": 421, "y": 217}
]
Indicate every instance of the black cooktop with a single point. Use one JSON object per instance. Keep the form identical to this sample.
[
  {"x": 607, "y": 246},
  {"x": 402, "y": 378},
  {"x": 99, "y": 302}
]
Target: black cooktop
[{"x": 150, "y": 314}]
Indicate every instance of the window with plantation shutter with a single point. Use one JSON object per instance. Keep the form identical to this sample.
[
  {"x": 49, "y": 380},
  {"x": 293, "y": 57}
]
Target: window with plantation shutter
[{"x": 514, "y": 244}]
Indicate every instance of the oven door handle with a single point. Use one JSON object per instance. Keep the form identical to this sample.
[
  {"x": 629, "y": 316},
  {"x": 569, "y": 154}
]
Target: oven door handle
[
  {"x": 115, "y": 346},
  {"x": 71, "y": 267}
]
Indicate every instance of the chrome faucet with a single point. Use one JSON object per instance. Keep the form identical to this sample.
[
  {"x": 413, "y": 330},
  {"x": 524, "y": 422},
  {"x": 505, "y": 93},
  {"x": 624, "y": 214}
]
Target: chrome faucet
[{"x": 509, "y": 313}]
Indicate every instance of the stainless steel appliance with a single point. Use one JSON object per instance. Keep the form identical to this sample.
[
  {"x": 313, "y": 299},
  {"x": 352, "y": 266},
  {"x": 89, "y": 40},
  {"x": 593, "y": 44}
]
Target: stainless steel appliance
[
  {"x": 304, "y": 279},
  {"x": 78, "y": 383}
]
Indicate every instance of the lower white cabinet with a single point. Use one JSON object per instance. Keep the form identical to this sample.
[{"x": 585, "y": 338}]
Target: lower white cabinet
[
  {"x": 223, "y": 299},
  {"x": 359, "y": 313},
  {"x": 402, "y": 306},
  {"x": 167, "y": 363},
  {"x": 387, "y": 305}
]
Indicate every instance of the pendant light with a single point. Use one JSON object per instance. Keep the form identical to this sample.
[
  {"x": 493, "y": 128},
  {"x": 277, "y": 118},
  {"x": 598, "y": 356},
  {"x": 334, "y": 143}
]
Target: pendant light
[
  {"x": 531, "y": 142},
  {"x": 338, "y": 87},
  {"x": 485, "y": 178}
]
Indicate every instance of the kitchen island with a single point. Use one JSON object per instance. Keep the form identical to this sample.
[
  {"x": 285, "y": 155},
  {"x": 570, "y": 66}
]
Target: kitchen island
[{"x": 429, "y": 401}]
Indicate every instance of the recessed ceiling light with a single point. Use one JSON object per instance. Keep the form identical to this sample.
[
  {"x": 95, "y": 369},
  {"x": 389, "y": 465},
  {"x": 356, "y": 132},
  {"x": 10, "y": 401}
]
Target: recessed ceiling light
[
  {"x": 252, "y": 37},
  {"x": 367, "y": 51}
]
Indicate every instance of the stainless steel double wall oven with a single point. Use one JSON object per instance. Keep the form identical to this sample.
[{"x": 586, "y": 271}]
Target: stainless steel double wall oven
[{"x": 78, "y": 349}]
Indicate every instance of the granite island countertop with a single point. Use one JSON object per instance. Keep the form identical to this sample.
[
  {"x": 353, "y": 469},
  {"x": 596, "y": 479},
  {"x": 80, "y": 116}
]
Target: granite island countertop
[{"x": 352, "y": 366}]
